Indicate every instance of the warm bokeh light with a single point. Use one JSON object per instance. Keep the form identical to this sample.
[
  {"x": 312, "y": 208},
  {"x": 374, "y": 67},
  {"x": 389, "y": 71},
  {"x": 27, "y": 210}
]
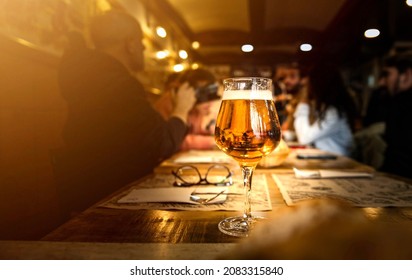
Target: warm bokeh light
[
  {"x": 178, "y": 68},
  {"x": 25, "y": 43},
  {"x": 162, "y": 54},
  {"x": 161, "y": 32},
  {"x": 409, "y": 3},
  {"x": 195, "y": 66},
  {"x": 372, "y": 33},
  {"x": 183, "y": 54},
  {"x": 247, "y": 48},
  {"x": 306, "y": 47},
  {"x": 195, "y": 45},
  {"x": 103, "y": 5},
  {"x": 155, "y": 91}
]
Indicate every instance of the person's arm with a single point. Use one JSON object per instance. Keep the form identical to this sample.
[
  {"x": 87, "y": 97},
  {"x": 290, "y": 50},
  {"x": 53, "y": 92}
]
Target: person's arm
[
  {"x": 185, "y": 100},
  {"x": 176, "y": 127},
  {"x": 198, "y": 142},
  {"x": 308, "y": 133},
  {"x": 288, "y": 123},
  {"x": 290, "y": 108},
  {"x": 136, "y": 123}
]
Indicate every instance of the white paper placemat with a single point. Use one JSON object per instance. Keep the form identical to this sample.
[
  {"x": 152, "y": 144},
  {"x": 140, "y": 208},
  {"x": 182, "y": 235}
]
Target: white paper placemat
[
  {"x": 234, "y": 201},
  {"x": 326, "y": 173},
  {"x": 177, "y": 194},
  {"x": 379, "y": 191}
]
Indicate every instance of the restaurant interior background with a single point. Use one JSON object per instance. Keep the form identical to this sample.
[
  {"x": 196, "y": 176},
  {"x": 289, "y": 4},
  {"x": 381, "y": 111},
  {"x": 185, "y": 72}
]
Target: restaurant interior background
[{"x": 206, "y": 33}]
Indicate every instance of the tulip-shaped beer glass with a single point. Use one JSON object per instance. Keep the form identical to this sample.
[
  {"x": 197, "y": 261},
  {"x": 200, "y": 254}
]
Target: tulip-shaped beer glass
[{"x": 247, "y": 129}]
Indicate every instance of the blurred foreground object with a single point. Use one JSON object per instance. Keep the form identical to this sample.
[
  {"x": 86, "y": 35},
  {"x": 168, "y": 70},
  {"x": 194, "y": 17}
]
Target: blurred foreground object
[{"x": 324, "y": 229}]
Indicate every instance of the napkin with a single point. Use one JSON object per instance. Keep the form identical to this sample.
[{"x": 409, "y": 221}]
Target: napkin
[
  {"x": 202, "y": 156},
  {"x": 202, "y": 159},
  {"x": 175, "y": 194},
  {"x": 322, "y": 173}
]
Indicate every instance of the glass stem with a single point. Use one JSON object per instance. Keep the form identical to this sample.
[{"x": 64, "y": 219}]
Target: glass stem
[{"x": 247, "y": 172}]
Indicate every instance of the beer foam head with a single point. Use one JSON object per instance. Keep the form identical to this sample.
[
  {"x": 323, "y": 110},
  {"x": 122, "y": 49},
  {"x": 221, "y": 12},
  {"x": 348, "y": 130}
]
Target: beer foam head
[{"x": 247, "y": 94}]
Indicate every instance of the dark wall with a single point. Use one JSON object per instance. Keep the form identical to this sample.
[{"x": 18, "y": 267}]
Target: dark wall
[{"x": 31, "y": 118}]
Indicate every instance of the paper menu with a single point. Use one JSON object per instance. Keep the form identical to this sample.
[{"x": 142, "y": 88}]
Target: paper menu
[
  {"x": 323, "y": 173},
  {"x": 175, "y": 194}
]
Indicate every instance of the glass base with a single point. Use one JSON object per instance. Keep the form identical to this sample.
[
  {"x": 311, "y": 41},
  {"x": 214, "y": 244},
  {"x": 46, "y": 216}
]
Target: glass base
[{"x": 239, "y": 226}]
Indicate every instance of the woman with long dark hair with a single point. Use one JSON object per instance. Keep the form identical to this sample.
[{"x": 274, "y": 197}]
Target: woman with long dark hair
[{"x": 326, "y": 114}]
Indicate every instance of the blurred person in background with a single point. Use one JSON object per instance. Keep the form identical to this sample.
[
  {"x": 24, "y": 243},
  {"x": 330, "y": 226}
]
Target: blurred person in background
[
  {"x": 326, "y": 113},
  {"x": 288, "y": 85},
  {"x": 378, "y": 101},
  {"x": 289, "y": 77},
  {"x": 370, "y": 143},
  {"x": 112, "y": 134},
  {"x": 165, "y": 104},
  {"x": 398, "y": 133},
  {"x": 202, "y": 117}
]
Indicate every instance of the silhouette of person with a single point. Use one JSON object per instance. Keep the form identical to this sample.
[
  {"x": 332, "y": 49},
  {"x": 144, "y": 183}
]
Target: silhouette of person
[{"x": 112, "y": 135}]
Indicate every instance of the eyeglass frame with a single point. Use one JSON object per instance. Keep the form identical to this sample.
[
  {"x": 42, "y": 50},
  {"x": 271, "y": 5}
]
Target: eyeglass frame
[{"x": 201, "y": 179}]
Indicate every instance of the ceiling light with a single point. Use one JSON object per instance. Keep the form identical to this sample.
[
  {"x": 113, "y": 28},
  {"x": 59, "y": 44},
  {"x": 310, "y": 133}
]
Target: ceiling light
[
  {"x": 161, "y": 32},
  {"x": 178, "y": 68},
  {"x": 306, "y": 47},
  {"x": 247, "y": 48},
  {"x": 103, "y": 5},
  {"x": 162, "y": 54},
  {"x": 195, "y": 45},
  {"x": 409, "y": 3},
  {"x": 155, "y": 91},
  {"x": 183, "y": 54},
  {"x": 372, "y": 33}
]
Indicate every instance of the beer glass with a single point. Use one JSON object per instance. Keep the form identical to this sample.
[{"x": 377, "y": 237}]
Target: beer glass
[{"x": 247, "y": 128}]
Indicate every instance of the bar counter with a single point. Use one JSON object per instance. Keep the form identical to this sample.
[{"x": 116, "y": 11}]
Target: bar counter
[{"x": 106, "y": 233}]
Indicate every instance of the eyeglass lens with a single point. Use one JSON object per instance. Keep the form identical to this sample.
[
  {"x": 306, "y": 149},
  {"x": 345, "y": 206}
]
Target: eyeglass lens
[
  {"x": 188, "y": 175},
  {"x": 216, "y": 174}
]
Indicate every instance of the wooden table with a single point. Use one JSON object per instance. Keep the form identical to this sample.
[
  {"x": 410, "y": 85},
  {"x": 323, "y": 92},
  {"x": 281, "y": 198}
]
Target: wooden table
[
  {"x": 98, "y": 224},
  {"x": 103, "y": 233}
]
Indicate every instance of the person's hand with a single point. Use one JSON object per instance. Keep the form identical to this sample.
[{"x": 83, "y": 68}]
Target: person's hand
[
  {"x": 283, "y": 97},
  {"x": 303, "y": 96},
  {"x": 185, "y": 100}
]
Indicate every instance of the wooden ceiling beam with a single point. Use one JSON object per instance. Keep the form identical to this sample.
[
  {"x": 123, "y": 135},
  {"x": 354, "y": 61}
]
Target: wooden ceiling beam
[
  {"x": 257, "y": 16},
  {"x": 262, "y": 58}
]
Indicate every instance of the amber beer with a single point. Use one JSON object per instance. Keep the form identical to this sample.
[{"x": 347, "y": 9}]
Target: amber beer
[{"x": 247, "y": 127}]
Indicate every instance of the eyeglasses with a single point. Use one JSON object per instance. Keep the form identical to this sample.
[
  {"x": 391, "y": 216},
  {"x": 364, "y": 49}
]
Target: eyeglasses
[{"x": 189, "y": 175}]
